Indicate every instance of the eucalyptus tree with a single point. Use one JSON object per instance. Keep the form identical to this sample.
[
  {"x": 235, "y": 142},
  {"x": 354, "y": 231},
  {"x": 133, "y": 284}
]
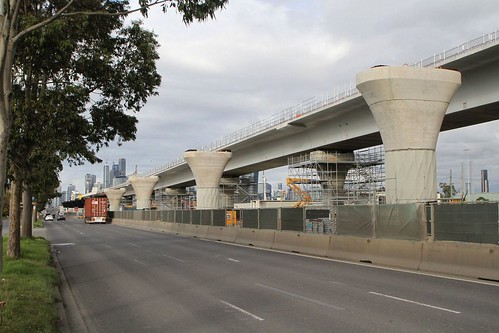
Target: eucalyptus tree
[
  {"x": 94, "y": 109},
  {"x": 76, "y": 85}
]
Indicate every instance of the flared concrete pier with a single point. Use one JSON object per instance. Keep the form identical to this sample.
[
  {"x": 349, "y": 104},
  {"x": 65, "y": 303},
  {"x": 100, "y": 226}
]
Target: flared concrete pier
[
  {"x": 409, "y": 104},
  {"x": 143, "y": 187},
  {"x": 332, "y": 171},
  {"x": 114, "y": 196},
  {"x": 207, "y": 167}
]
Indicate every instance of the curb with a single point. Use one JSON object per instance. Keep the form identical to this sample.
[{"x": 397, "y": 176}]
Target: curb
[
  {"x": 69, "y": 312},
  {"x": 70, "y": 317}
]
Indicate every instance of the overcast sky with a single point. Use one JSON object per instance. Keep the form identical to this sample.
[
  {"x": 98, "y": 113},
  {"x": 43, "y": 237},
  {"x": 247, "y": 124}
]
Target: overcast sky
[{"x": 260, "y": 57}]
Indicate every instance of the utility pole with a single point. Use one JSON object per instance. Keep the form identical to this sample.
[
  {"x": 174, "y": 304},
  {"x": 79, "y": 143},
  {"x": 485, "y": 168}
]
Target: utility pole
[{"x": 450, "y": 184}]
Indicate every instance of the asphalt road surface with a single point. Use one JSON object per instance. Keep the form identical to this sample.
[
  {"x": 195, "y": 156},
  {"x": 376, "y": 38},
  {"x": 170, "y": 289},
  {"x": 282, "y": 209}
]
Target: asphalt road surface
[{"x": 126, "y": 280}]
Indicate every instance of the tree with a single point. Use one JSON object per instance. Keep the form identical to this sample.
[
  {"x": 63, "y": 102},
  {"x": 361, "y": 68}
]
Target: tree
[
  {"x": 59, "y": 70},
  {"x": 48, "y": 13},
  {"x": 448, "y": 190}
]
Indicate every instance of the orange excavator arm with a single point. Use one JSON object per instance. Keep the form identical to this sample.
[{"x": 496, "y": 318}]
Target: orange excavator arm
[{"x": 305, "y": 198}]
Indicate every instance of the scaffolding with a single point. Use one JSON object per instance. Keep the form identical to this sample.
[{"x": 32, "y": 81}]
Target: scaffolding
[
  {"x": 366, "y": 181},
  {"x": 164, "y": 199},
  {"x": 242, "y": 189},
  {"x": 332, "y": 178}
]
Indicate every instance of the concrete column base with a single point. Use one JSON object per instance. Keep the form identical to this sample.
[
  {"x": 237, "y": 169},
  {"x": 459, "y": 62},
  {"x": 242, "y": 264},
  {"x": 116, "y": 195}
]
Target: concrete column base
[
  {"x": 207, "y": 168},
  {"x": 114, "y": 196},
  {"x": 409, "y": 105},
  {"x": 143, "y": 187}
]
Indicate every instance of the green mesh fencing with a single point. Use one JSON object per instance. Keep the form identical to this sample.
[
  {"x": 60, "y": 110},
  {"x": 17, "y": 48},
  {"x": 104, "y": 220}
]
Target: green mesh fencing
[{"x": 474, "y": 222}]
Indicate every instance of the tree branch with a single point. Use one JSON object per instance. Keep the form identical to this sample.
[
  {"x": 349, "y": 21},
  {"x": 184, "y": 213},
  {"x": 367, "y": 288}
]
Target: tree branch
[
  {"x": 126, "y": 12},
  {"x": 41, "y": 24}
]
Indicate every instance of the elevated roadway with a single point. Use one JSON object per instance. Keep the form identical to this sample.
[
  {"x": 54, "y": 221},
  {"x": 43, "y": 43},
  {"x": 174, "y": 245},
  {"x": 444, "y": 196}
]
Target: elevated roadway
[{"x": 344, "y": 123}]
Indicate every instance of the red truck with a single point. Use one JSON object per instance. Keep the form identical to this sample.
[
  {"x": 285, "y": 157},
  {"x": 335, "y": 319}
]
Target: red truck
[{"x": 96, "y": 210}]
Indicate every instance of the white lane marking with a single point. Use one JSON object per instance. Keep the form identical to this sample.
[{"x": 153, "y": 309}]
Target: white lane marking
[
  {"x": 63, "y": 244},
  {"x": 234, "y": 260},
  {"x": 131, "y": 244},
  {"x": 242, "y": 310},
  {"x": 303, "y": 298},
  {"x": 414, "y": 302},
  {"x": 138, "y": 261},
  {"x": 337, "y": 283},
  {"x": 440, "y": 276},
  {"x": 173, "y": 258}
]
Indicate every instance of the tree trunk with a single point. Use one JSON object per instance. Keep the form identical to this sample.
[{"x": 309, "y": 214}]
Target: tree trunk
[
  {"x": 4, "y": 139},
  {"x": 8, "y": 23},
  {"x": 14, "y": 244},
  {"x": 27, "y": 227}
]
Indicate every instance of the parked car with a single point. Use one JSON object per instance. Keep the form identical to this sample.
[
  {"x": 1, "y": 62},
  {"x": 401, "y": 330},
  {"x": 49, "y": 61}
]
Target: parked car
[
  {"x": 61, "y": 217},
  {"x": 49, "y": 217}
]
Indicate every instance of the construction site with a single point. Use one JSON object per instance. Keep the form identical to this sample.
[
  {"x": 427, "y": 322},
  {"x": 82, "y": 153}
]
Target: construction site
[
  {"x": 323, "y": 179},
  {"x": 319, "y": 180}
]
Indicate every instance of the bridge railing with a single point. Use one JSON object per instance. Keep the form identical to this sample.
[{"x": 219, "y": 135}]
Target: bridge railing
[
  {"x": 316, "y": 104},
  {"x": 457, "y": 51},
  {"x": 292, "y": 113}
]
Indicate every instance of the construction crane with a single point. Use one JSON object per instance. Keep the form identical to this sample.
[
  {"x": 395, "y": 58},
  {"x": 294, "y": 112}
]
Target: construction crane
[{"x": 305, "y": 198}]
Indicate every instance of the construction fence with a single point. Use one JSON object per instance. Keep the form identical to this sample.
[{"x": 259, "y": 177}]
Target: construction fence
[{"x": 477, "y": 223}]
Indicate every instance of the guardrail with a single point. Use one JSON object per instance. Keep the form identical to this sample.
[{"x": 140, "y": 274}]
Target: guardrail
[{"x": 315, "y": 104}]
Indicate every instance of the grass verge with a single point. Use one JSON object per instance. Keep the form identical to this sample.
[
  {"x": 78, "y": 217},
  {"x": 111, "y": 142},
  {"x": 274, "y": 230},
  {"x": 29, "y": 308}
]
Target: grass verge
[{"x": 27, "y": 285}]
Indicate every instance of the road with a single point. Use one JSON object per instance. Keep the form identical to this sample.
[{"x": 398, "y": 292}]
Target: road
[{"x": 126, "y": 280}]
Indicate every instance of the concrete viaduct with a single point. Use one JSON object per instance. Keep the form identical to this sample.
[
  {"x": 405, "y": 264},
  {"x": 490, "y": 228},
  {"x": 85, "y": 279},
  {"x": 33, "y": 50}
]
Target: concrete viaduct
[{"x": 402, "y": 107}]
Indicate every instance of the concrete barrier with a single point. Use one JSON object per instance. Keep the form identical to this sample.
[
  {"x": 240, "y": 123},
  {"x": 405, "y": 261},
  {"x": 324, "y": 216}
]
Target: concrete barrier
[
  {"x": 464, "y": 259},
  {"x": 455, "y": 258},
  {"x": 293, "y": 241},
  {"x": 263, "y": 238},
  {"x": 174, "y": 229},
  {"x": 387, "y": 252},
  {"x": 135, "y": 224},
  {"x": 349, "y": 248},
  {"x": 194, "y": 230},
  {"x": 167, "y": 226},
  {"x": 117, "y": 221},
  {"x": 223, "y": 234}
]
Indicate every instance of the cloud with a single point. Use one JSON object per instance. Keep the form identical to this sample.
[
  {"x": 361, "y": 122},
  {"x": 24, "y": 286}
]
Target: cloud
[{"x": 260, "y": 57}]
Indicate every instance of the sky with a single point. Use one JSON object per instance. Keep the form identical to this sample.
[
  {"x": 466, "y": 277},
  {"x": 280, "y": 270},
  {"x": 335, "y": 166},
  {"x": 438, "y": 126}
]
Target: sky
[{"x": 259, "y": 57}]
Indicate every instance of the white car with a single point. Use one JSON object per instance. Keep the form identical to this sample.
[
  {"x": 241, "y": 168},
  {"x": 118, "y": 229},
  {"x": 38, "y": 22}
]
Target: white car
[{"x": 49, "y": 217}]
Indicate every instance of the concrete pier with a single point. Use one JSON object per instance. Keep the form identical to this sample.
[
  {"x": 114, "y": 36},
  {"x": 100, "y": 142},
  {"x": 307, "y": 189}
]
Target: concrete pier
[
  {"x": 114, "y": 196},
  {"x": 207, "y": 167},
  {"x": 143, "y": 187},
  {"x": 409, "y": 104},
  {"x": 332, "y": 169}
]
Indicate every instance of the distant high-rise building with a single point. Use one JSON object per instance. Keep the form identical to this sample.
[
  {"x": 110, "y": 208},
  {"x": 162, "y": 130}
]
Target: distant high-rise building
[
  {"x": 122, "y": 167},
  {"x": 89, "y": 182},
  {"x": 70, "y": 191},
  {"x": 485, "y": 181},
  {"x": 113, "y": 172},
  {"x": 105, "y": 176},
  {"x": 268, "y": 191},
  {"x": 117, "y": 173},
  {"x": 119, "y": 180}
]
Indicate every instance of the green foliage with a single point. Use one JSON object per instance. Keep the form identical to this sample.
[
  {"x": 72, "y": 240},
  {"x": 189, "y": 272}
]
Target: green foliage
[
  {"x": 78, "y": 80},
  {"x": 191, "y": 10},
  {"x": 448, "y": 190},
  {"x": 481, "y": 199},
  {"x": 77, "y": 83},
  {"x": 38, "y": 224},
  {"x": 27, "y": 287}
]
